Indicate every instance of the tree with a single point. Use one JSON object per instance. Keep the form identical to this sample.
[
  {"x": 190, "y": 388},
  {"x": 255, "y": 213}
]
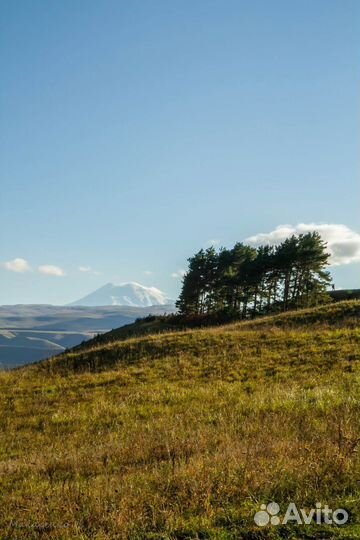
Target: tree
[{"x": 248, "y": 281}]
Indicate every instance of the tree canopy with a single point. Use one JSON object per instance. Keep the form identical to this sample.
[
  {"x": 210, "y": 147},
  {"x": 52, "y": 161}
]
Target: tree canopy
[{"x": 248, "y": 281}]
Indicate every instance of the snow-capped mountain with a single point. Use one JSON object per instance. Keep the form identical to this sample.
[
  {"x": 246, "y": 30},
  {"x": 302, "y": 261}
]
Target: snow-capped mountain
[{"x": 125, "y": 294}]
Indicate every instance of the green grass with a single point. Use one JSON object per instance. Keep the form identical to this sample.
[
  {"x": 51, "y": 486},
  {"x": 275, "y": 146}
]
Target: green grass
[
  {"x": 184, "y": 434},
  {"x": 335, "y": 313}
]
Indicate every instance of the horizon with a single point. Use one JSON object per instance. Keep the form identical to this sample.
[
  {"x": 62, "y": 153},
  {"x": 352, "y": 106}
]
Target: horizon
[{"x": 136, "y": 134}]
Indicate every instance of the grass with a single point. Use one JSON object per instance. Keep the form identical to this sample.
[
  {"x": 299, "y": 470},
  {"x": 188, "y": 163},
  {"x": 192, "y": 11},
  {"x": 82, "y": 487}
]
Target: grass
[
  {"x": 184, "y": 435},
  {"x": 335, "y": 313}
]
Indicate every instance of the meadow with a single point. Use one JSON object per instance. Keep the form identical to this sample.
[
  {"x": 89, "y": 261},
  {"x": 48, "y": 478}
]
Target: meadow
[{"x": 184, "y": 434}]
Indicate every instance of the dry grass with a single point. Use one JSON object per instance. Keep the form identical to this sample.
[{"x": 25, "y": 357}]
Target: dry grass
[{"x": 183, "y": 436}]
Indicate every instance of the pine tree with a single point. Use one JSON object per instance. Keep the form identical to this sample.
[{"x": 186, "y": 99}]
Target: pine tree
[{"x": 247, "y": 281}]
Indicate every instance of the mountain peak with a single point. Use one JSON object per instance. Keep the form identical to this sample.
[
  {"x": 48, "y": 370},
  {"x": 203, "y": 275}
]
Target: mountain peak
[{"x": 125, "y": 294}]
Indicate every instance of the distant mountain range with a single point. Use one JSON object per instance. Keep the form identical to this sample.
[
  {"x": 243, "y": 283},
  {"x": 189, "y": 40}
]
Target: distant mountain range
[
  {"x": 29, "y": 333},
  {"x": 125, "y": 294},
  {"x": 33, "y": 332}
]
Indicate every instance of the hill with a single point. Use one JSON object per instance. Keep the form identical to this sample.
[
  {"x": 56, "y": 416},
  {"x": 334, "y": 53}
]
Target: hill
[
  {"x": 184, "y": 434},
  {"x": 345, "y": 294},
  {"x": 29, "y": 333},
  {"x": 343, "y": 313}
]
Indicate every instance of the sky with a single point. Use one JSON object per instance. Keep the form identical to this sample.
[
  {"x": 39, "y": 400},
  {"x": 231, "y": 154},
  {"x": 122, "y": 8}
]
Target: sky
[{"x": 134, "y": 133}]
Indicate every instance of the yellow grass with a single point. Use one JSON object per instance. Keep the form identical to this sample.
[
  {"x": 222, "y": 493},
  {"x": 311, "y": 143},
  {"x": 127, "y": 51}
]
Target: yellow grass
[{"x": 184, "y": 435}]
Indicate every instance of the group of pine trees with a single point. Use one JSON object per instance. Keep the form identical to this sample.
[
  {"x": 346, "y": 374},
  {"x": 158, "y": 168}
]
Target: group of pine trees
[{"x": 245, "y": 281}]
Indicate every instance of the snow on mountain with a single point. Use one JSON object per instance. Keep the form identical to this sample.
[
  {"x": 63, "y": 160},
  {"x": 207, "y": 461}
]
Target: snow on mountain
[{"x": 125, "y": 294}]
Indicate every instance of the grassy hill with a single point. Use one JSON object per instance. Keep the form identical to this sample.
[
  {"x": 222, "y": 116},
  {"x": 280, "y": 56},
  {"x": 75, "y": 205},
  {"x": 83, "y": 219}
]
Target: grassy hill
[
  {"x": 29, "y": 333},
  {"x": 184, "y": 434},
  {"x": 333, "y": 314}
]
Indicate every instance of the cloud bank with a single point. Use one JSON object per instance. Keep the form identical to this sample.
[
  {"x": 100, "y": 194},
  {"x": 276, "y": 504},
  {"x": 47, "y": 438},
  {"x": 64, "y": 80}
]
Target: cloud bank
[
  {"x": 17, "y": 265},
  {"x": 51, "y": 270},
  {"x": 343, "y": 242}
]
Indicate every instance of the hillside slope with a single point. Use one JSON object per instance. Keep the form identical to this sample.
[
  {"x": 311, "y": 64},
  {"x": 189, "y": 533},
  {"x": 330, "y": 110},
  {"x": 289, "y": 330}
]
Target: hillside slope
[
  {"x": 29, "y": 333},
  {"x": 184, "y": 435},
  {"x": 339, "y": 314}
]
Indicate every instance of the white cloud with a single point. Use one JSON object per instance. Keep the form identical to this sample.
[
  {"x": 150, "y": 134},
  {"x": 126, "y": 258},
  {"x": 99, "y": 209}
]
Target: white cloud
[
  {"x": 51, "y": 270},
  {"x": 17, "y": 265},
  {"x": 213, "y": 242},
  {"x": 343, "y": 242},
  {"x": 179, "y": 274},
  {"x": 89, "y": 270},
  {"x": 84, "y": 268},
  {"x": 148, "y": 272}
]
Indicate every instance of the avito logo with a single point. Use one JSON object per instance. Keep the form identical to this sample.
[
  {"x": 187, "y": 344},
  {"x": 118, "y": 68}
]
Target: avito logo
[{"x": 269, "y": 515}]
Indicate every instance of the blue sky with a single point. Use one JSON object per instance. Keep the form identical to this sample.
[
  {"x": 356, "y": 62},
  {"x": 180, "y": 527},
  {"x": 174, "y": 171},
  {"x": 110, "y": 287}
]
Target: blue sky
[{"x": 134, "y": 133}]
